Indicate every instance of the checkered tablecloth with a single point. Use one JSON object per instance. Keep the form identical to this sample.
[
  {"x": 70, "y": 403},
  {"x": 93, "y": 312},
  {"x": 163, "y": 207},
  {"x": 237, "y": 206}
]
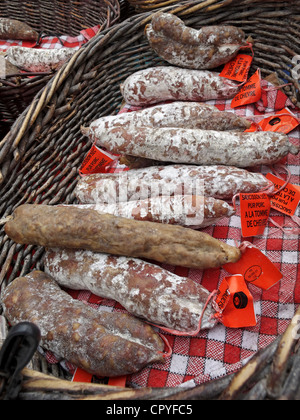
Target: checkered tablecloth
[{"x": 219, "y": 351}]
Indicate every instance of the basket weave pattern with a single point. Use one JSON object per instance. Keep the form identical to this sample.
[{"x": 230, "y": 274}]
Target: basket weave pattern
[
  {"x": 40, "y": 156},
  {"x": 67, "y": 17},
  {"x": 60, "y": 17}
]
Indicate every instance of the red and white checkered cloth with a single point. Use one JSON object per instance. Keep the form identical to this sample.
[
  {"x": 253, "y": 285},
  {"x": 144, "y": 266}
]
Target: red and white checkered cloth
[{"x": 221, "y": 351}]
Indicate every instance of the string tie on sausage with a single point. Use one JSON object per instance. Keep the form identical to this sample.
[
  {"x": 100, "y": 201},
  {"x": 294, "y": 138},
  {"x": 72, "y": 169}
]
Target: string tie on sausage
[
  {"x": 248, "y": 46},
  {"x": 212, "y": 297}
]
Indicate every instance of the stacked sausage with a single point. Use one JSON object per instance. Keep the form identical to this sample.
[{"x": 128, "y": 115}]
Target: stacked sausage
[{"x": 186, "y": 160}]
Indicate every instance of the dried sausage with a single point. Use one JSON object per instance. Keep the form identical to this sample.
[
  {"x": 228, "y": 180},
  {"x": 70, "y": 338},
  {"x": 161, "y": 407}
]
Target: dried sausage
[
  {"x": 143, "y": 289},
  {"x": 104, "y": 344},
  {"x": 71, "y": 227},
  {"x": 15, "y": 29},
  {"x": 191, "y": 211},
  {"x": 201, "y": 147},
  {"x": 175, "y": 114},
  {"x": 163, "y": 83},
  {"x": 183, "y": 46},
  {"x": 220, "y": 182},
  {"x": 39, "y": 60}
]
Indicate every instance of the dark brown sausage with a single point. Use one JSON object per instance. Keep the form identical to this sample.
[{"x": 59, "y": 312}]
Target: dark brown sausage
[
  {"x": 145, "y": 290},
  {"x": 70, "y": 227},
  {"x": 200, "y": 147},
  {"x": 104, "y": 344}
]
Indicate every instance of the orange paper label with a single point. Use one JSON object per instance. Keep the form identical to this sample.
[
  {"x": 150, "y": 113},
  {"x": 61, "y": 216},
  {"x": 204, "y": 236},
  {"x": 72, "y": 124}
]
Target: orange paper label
[
  {"x": 118, "y": 381},
  {"x": 239, "y": 311},
  {"x": 82, "y": 376},
  {"x": 95, "y": 161},
  {"x": 223, "y": 296},
  {"x": 287, "y": 200},
  {"x": 249, "y": 93},
  {"x": 256, "y": 268},
  {"x": 278, "y": 123},
  {"x": 238, "y": 68},
  {"x": 255, "y": 211}
]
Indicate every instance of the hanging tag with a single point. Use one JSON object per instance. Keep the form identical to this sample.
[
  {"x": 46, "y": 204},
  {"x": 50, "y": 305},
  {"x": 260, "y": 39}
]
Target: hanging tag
[
  {"x": 238, "y": 68},
  {"x": 249, "y": 93},
  {"x": 81, "y": 375},
  {"x": 282, "y": 121},
  {"x": 239, "y": 311},
  {"x": 255, "y": 211},
  {"x": 96, "y": 161},
  {"x": 287, "y": 200},
  {"x": 223, "y": 296},
  {"x": 256, "y": 268}
]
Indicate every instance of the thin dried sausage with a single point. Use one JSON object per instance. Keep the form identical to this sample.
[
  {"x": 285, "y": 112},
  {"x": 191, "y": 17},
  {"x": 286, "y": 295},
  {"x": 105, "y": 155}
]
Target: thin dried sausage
[
  {"x": 221, "y": 182},
  {"x": 39, "y": 60},
  {"x": 200, "y": 147},
  {"x": 175, "y": 114},
  {"x": 192, "y": 211},
  {"x": 71, "y": 227}
]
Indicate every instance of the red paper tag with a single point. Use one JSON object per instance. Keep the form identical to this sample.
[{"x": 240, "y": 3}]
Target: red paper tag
[
  {"x": 82, "y": 376},
  {"x": 96, "y": 161},
  {"x": 239, "y": 311},
  {"x": 223, "y": 296},
  {"x": 255, "y": 211},
  {"x": 238, "y": 68},
  {"x": 278, "y": 123},
  {"x": 118, "y": 381},
  {"x": 256, "y": 268},
  {"x": 287, "y": 200},
  {"x": 249, "y": 93}
]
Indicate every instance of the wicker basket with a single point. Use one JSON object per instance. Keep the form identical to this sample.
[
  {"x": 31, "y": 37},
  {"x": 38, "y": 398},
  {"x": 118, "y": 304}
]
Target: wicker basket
[
  {"x": 64, "y": 17},
  {"x": 41, "y": 155},
  {"x": 60, "y": 17}
]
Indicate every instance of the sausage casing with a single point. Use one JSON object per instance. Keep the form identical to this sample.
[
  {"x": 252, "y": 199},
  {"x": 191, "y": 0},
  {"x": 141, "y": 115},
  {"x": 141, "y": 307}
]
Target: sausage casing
[
  {"x": 163, "y": 83},
  {"x": 183, "y": 46},
  {"x": 175, "y": 114},
  {"x": 143, "y": 289},
  {"x": 71, "y": 227},
  {"x": 192, "y": 211},
  {"x": 39, "y": 60},
  {"x": 221, "y": 182},
  {"x": 104, "y": 344},
  {"x": 201, "y": 147}
]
